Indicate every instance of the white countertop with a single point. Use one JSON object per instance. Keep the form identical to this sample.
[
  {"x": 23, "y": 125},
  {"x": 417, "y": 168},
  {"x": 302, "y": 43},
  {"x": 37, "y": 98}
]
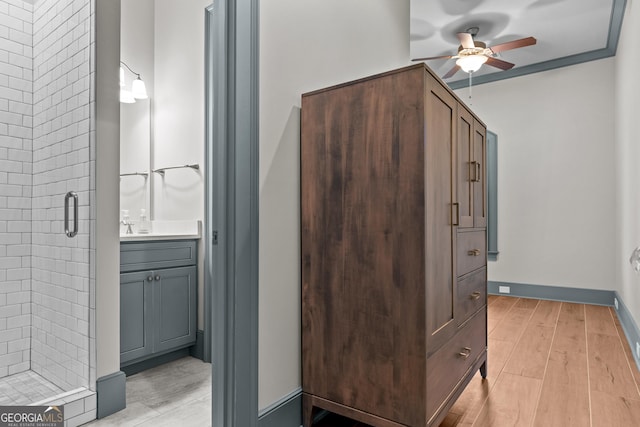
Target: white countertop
[{"x": 166, "y": 230}]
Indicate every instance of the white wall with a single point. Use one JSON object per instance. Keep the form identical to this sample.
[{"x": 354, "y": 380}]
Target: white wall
[
  {"x": 304, "y": 45},
  {"x": 556, "y": 175},
  {"x": 628, "y": 157}
]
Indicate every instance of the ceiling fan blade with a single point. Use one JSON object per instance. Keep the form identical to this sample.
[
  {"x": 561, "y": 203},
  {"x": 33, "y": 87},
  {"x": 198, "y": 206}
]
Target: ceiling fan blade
[
  {"x": 433, "y": 57},
  {"x": 466, "y": 40},
  {"x": 499, "y": 63},
  {"x": 451, "y": 72},
  {"x": 514, "y": 44}
]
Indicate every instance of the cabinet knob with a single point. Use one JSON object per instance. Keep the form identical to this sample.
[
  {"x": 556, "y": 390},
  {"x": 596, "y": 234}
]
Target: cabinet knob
[
  {"x": 466, "y": 352},
  {"x": 158, "y": 277},
  {"x": 474, "y": 252},
  {"x": 150, "y": 278},
  {"x": 475, "y": 295}
]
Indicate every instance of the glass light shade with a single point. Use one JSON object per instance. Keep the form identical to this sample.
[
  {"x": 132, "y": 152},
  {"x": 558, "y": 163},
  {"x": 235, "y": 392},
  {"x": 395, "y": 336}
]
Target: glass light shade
[
  {"x": 121, "y": 77},
  {"x": 138, "y": 89},
  {"x": 635, "y": 260},
  {"x": 126, "y": 97},
  {"x": 471, "y": 63}
]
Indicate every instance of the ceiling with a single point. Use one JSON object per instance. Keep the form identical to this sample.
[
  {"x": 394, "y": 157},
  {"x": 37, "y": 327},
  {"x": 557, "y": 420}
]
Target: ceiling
[{"x": 567, "y": 31}]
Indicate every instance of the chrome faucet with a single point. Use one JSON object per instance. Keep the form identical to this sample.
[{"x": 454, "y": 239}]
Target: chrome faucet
[{"x": 128, "y": 223}]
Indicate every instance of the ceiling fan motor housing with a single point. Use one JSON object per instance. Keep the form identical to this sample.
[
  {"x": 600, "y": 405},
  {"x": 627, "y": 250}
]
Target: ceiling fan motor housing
[{"x": 479, "y": 49}]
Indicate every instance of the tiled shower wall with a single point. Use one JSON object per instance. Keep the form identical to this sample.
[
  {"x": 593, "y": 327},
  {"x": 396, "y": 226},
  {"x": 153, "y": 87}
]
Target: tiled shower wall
[
  {"x": 16, "y": 74},
  {"x": 61, "y": 163},
  {"x": 45, "y": 128}
]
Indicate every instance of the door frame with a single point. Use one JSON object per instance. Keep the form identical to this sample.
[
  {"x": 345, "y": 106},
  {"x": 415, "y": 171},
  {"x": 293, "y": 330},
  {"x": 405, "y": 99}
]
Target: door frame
[{"x": 231, "y": 204}]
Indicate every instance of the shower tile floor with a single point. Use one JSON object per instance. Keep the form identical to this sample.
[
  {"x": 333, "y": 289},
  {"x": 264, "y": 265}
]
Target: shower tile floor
[{"x": 26, "y": 388}]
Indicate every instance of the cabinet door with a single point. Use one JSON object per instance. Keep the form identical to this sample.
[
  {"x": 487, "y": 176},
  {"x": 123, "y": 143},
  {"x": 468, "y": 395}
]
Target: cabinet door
[
  {"x": 135, "y": 312},
  {"x": 440, "y": 214},
  {"x": 479, "y": 176},
  {"x": 174, "y": 296},
  {"x": 465, "y": 167}
]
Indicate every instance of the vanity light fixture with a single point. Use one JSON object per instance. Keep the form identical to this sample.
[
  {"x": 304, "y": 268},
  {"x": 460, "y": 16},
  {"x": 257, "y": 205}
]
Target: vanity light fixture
[
  {"x": 634, "y": 260},
  {"x": 126, "y": 97},
  {"x": 138, "y": 89}
]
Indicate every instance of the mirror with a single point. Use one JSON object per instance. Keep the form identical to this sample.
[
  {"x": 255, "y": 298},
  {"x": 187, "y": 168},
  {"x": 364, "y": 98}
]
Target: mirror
[{"x": 135, "y": 158}]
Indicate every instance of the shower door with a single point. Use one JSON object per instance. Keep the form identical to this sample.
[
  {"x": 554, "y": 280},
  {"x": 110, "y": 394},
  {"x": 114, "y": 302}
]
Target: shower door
[{"x": 62, "y": 191}]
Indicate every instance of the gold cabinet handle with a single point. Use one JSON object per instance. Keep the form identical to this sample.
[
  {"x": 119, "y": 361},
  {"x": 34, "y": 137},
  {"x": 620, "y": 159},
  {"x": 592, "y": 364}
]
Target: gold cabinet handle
[
  {"x": 474, "y": 252},
  {"x": 475, "y": 295},
  {"x": 474, "y": 171},
  {"x": 457, "y": 216},
  {"x": 465, "y": 353}
]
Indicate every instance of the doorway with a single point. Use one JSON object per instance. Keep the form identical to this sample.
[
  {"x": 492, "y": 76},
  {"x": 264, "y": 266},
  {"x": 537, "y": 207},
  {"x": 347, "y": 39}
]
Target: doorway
[
  {"x": 232, "y": 76},
  {"x": 230, "y": 238}
]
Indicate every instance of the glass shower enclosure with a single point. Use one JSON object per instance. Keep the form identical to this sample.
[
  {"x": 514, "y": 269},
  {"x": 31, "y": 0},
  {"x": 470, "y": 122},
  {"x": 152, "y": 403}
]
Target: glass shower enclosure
[{"x": 47, "y": 164}]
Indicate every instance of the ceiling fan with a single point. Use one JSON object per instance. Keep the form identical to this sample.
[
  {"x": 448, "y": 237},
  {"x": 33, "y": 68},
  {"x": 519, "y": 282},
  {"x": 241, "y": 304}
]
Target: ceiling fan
[{"x": 472, "y": 54}]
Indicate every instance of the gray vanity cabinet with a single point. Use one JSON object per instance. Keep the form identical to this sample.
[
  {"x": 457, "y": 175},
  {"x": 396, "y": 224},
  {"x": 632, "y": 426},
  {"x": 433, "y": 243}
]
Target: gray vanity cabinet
[
  {"x": 135, "y": 316},
  {"x": 157, "y": 305}
]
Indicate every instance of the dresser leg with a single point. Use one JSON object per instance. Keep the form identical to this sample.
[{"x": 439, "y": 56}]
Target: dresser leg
[
  {"x": 308, "y": 411},
  {"x": 483, "y": 370}
]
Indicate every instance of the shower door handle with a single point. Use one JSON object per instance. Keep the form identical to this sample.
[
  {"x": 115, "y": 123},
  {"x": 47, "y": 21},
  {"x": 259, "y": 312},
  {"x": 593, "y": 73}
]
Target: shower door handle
[{"x": 71, "y": 195}]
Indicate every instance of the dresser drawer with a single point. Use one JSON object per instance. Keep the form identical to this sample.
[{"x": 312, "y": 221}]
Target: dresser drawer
[
  {"x": 447, "y": 367},
  {"x": 472, "y": 251},
  {"x": 471, "y": 294}
]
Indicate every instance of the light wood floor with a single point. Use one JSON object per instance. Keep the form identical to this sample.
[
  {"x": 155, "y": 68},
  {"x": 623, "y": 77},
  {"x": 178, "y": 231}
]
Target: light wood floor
[{"x": 550, "y": 364}]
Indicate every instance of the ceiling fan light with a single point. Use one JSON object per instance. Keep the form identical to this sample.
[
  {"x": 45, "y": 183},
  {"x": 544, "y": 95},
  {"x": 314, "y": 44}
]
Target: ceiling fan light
[{"x": 471, "y": 63}]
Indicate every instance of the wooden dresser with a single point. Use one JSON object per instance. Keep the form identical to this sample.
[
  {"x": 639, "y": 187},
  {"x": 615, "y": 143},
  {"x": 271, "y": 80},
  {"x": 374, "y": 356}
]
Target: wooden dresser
[{"x": 393, "y": 216}]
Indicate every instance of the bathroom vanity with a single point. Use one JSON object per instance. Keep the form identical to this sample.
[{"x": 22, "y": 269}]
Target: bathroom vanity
[{"x": 158, "y": 296}]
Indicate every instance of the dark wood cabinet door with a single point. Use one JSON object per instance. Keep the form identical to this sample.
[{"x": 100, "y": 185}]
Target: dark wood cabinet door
[
  {"x": 440, "y": 212},
  {"x": 480, "y": 174},
  {"x": 470, "y": 170},
  {"x": 464, "y": 167}
]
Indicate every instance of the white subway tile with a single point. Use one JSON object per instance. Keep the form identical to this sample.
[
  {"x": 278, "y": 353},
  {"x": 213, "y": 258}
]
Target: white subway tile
[
  {"x": 19, "y": 367},
  {"x": 11, "y": 46},
  {"x": 17, "y": 274},
  {"x": 20, "y": 60},
  {"x": 18, "y": 321},
  {"x": 21, "y": 13},
  {"x": 11, "y": 22}
]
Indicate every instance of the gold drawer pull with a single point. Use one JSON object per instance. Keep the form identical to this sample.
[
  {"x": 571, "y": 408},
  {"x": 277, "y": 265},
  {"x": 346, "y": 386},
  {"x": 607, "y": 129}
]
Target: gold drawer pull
[
  {"x": 465, "y": 353},
  {"x": 475, "y": 295},
  {"x": 474, "y": 252}
]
